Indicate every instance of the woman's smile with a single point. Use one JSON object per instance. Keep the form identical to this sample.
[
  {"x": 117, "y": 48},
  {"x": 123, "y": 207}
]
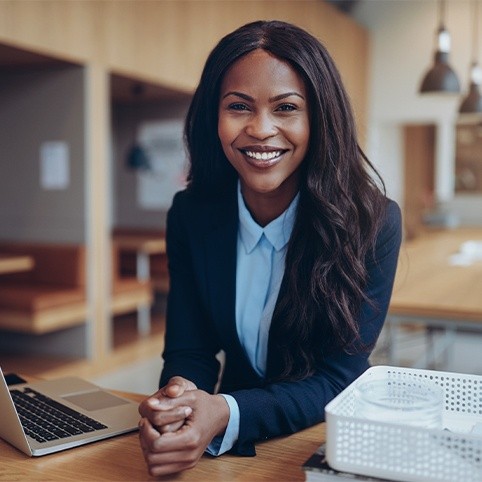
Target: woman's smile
[{"x": 263, "y": 157}]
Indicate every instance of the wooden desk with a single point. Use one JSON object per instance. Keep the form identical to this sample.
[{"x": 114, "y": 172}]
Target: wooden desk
[
  {"x": 431, "y": 291},
  {"x": 120, "y": 458},
  {"x": 11, "y": 263}
]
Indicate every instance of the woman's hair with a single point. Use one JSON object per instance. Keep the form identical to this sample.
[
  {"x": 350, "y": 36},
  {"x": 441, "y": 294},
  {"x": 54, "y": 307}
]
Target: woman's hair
[{"x": 340, "y": 208}]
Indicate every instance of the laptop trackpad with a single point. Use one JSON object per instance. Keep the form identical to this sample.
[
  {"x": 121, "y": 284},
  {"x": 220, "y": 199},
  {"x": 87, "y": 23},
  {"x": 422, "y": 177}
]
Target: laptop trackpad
[{"x": 95, "y": 400}]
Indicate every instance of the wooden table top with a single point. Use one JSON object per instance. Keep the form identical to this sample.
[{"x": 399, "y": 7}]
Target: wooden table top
[
  {"x": 428, "y": 283},
  {"x": 120, "y": 458},
  {"x": 11, "y": 263}
]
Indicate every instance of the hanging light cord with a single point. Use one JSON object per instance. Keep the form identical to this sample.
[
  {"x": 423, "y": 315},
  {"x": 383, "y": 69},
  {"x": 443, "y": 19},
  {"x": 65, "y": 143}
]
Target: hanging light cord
[
  {"x": 475, "y": 32},
  {"x": 441, "y": 13}
]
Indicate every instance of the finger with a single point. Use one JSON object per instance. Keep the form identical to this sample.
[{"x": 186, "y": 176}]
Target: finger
[
  {"x": 175, "y": 454},
  {"x": 165, "y": 403},
  {"x": 177, "y": 386},
  {"x": 162, "y": 460},
  {"x": 147, "y": 435},
  {"x": 170, "y": 462},
  {"x": 185, "y": 439},
  {"x": 169, "y": 468},
  {"x": 150, "y": 403},
  {"x": 174, "y": 389},
  {"x": 170, "y": 427},
  {"x": 162, "y": 417}
]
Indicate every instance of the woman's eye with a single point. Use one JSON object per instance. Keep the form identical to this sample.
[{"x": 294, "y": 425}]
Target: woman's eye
[
  {"x": 238, "y": 106},
  {"x": 286, "y": 108}
]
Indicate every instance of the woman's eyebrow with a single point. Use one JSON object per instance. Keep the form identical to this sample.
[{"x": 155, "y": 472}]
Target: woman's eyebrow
[
  {"x": 239, "y": 94},
  {"x": 276, "y": 98}
]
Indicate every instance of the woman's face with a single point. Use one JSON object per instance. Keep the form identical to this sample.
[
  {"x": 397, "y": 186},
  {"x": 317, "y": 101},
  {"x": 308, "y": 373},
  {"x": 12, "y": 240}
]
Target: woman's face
[{"x": 264, "y": 126}]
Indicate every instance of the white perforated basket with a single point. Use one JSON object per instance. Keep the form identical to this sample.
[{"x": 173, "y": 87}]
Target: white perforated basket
[{"x": 405, "y": 453}]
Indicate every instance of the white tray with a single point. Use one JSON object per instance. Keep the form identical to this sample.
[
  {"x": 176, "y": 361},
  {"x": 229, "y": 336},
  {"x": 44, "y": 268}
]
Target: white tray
[{"x": 405, "y": 453}]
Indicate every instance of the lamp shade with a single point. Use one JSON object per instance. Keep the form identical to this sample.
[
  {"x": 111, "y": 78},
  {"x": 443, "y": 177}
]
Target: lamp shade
[
  {"x": 440, "y": 78},
  {"x": 137, "y": 159},
  {"x": 472, "y": 103}
]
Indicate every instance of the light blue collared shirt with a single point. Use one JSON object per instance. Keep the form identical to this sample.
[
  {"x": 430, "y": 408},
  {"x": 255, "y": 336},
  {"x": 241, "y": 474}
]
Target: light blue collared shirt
[{"x": 259, "y": 271}]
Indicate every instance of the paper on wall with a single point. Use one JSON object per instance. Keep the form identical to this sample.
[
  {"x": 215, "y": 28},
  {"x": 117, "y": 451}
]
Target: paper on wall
[
  {"x": 54, "y": 165},
  {"x": 163, "y": 144}
]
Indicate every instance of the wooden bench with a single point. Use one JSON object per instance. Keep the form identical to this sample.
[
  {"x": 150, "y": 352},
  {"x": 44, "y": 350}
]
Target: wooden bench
[
  {"x": 48, "y": 297},
  {"x": 52, "y": 295}
]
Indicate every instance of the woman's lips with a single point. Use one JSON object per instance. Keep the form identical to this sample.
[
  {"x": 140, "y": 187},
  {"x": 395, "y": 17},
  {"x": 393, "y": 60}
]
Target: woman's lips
[{"x": 264, "y": 158}]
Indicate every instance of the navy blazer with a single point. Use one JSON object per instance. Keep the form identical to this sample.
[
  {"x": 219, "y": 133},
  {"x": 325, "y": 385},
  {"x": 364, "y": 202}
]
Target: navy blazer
[{"x": 201, "y": 246}]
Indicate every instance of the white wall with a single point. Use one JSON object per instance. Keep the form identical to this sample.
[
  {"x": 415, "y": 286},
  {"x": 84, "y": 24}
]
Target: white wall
[
  {"x": 39, "y": 106},
  {"x": 127, "y": 212},
  {"x": 403, "y": 36}
]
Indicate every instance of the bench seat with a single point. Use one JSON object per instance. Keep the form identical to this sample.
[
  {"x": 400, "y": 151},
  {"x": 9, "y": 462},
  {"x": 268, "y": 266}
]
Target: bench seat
[
  {"x": 52, "y": 295},
  {"x": 43, "y": 321},
  {"x": 48, "y": 297},
  {"x": 32, "y": 297},
  {"x": 128, "y": 294}
]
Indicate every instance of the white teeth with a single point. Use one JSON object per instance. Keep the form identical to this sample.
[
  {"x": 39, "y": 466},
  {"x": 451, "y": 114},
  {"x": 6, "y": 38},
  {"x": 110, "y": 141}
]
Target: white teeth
[{"x": 263, "y": 156}]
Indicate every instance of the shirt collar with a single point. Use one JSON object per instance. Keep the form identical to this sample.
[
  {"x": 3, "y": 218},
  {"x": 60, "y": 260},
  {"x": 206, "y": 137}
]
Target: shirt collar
[{"x": 277, "y": 232}]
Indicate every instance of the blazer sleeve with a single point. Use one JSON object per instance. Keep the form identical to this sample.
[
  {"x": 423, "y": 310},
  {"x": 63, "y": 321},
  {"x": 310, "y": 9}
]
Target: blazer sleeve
[
  {"x": 287, "y": 407},
  {"x": 191, "y": 344}
]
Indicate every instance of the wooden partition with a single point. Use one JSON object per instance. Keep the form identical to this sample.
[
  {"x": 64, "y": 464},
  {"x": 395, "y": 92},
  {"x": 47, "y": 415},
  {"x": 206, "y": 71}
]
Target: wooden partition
[{"x": 419, "y": 176}]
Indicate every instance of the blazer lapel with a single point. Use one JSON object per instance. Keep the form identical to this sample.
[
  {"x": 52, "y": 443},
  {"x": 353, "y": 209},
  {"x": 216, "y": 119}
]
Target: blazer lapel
[
  {"x": 220, "y": 244},
  {"x": 274, "y": 360}
]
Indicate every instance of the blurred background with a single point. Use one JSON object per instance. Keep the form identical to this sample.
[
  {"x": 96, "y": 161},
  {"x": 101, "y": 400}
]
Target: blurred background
[{"x": 92, "y": 100}]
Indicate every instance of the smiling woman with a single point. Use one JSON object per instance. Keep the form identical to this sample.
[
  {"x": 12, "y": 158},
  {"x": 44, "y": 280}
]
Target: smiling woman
[
  {"x": 282, "y": 253},
  {"x": 264, "y": 131}
]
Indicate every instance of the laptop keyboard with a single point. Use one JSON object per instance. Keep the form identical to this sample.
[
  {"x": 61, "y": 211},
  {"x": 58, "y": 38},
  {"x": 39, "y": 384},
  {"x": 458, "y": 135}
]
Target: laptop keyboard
[{"x": 44, "y": 419}]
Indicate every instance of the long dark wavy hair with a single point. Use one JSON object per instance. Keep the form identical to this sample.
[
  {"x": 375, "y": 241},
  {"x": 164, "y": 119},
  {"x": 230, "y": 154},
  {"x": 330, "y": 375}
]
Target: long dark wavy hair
[{"x": 341, "y": 202}]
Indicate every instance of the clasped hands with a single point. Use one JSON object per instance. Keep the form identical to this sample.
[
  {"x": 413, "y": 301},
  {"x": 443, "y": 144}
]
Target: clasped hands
[{"x": 178, "y": 423}]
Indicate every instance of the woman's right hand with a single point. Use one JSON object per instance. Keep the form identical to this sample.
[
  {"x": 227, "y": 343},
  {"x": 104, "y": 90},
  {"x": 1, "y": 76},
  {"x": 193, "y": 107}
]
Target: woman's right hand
[
  {"x": 171, "y": 419},
  {"x": 182, "y": 426}
]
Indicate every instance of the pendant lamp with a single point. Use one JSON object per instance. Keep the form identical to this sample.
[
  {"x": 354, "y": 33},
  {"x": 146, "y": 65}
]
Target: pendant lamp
[
  {"x": 441, "y": 78},
  {"x": 472, "y": 103},
  {"x": 137, "y": 158}
]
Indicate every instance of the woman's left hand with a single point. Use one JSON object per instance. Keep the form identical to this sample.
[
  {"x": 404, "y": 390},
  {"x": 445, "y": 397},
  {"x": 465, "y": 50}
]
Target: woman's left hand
[
  {"x": 162, "y": 416},
  {"x": 172, "y": 452}
]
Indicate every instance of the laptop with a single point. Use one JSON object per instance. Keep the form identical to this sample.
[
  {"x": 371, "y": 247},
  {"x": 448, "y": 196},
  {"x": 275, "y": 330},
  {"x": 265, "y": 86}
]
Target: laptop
[{"x": 52, "y": 415}]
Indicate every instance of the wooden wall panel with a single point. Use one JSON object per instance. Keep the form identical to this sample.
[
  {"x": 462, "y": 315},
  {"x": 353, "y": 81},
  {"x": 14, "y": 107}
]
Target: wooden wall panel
[
  {"x": 419, "y": 176},
  {"x": 168, "y": 41}
]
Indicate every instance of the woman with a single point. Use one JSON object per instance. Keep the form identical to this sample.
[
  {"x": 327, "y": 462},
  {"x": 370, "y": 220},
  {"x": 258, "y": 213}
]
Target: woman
[{"x": 282, "y": 253}]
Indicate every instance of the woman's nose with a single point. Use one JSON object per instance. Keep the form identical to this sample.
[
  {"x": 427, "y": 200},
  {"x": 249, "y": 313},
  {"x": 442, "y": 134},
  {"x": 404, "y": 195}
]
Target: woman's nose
[{"x": 261, "y": 126}]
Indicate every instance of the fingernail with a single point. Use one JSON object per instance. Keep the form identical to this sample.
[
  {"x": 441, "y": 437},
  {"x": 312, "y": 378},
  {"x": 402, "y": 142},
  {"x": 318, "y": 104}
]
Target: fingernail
[
  {"x": 141, "y": 423},
  {"x": 154, "y": 402},
  {"x": 187, "y": 411}
]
